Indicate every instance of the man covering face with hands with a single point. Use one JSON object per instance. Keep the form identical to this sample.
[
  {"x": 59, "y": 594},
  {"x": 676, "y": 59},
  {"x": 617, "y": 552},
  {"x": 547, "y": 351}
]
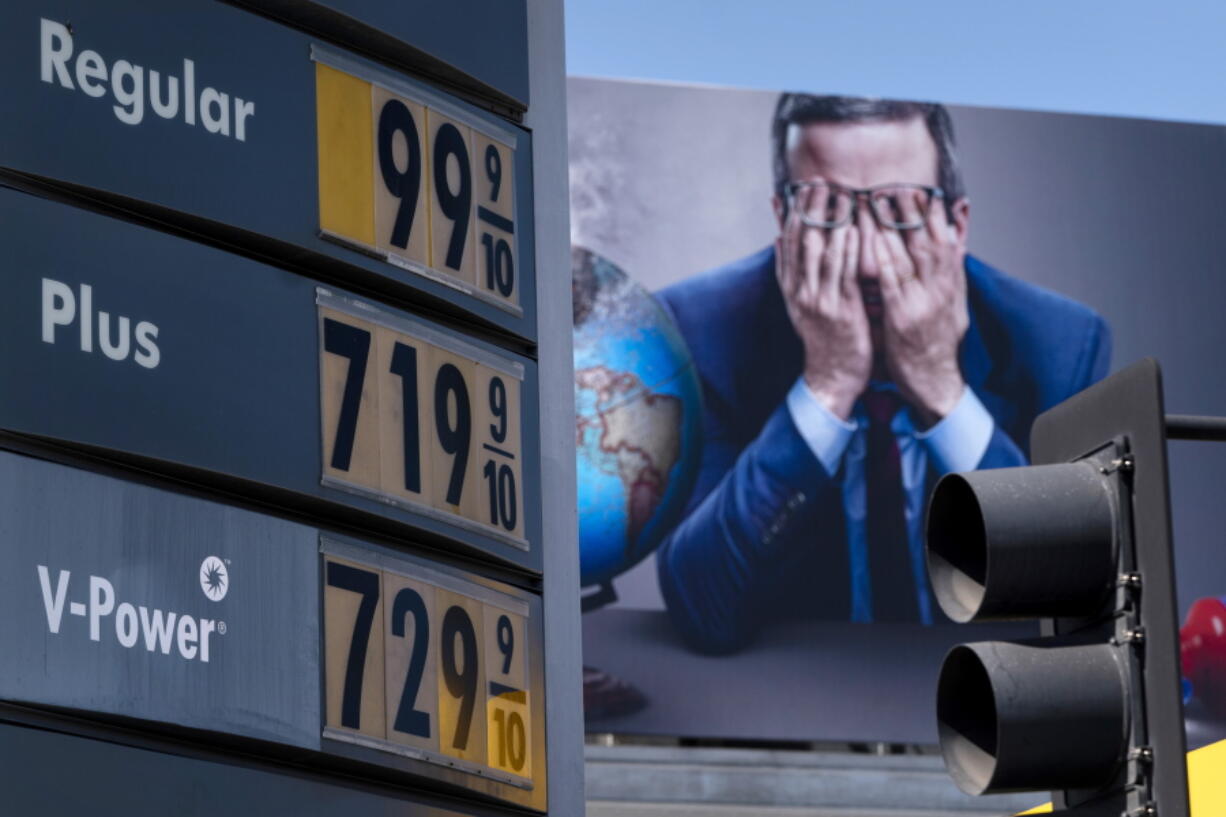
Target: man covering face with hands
[{"x": 845, "y": 369}]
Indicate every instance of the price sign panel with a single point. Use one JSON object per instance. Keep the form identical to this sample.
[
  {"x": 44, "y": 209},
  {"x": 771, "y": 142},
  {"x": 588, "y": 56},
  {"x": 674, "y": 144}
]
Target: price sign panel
[
  {"x": 426, "y": 664},
  {"x": 410, "y": 178},
  {"x": 162, "y": 614},
  {"x": 158, "y": 612},
  {"x": 418, "y": 418},
  {"x": 227, "y": 124},
  {"x": 122, "y": 337}
]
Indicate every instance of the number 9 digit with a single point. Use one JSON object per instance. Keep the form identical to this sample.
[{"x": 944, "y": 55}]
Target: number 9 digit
[
  {"x": 457, "y": 204},
  {"x": 493, "y": 169},
  {"x": 506, "y": 642},
  {"x": 498, "y": 408},
  {"x": 455, "y": 439},
  {"x": 404, "y": 186},
  {"x": 461, "y": 682}
]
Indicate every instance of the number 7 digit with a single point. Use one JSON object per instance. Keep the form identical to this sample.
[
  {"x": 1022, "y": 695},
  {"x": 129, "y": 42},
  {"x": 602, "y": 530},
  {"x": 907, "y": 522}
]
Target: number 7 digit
[
  {"x": 366, "y": 583},
  {"x": 353, "y": 343}
]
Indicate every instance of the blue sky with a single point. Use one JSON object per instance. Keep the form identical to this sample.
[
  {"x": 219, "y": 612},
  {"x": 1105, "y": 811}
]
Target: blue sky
[{"x": 1123, "y": 57}]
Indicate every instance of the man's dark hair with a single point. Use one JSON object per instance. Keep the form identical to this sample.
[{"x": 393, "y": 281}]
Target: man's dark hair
[{"x": 806, "y": 109}]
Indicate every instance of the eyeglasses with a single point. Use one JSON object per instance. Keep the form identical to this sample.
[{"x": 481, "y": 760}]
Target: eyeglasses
[{"x": 900, "y": 206}]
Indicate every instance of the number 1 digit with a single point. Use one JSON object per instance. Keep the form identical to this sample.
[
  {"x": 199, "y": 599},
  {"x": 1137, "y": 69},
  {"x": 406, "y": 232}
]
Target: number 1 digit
[
  {"x": 404, "y": 364},
  {"x": 500, "y": 720}
]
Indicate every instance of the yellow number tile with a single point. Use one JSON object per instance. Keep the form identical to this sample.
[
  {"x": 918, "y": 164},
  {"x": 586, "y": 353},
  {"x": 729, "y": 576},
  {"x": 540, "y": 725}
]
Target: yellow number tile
[
  {"x": 461, "y": 688},
  {"x": 343, "y": 140}
]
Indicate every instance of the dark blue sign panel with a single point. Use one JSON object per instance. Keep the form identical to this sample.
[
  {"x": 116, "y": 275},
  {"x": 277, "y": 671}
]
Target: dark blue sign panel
[
  {"x": 126, "y": 600},
  {"x": 218, "y": 120},
  {"x": 486, "y": 40},
  {"x": 122, "y": 599},
  {"x": 128, "y": 340},
  {"x": 110, "y": 778}
]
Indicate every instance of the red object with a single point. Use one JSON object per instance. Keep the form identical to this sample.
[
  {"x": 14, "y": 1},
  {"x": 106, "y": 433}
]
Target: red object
[{"x": 1202, "y": 652}]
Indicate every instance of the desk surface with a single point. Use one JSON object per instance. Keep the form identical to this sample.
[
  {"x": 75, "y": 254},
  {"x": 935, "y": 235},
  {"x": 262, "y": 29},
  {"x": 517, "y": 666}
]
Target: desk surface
[{"x": 802, "y": 680}]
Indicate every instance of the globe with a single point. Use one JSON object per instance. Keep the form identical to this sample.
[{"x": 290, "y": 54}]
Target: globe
[{"x": 638, "y": 413}]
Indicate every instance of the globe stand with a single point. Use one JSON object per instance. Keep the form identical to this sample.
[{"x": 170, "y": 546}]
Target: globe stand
[
  {"x": 603, "y": 595},
  {"x": 605, "y": 695}
]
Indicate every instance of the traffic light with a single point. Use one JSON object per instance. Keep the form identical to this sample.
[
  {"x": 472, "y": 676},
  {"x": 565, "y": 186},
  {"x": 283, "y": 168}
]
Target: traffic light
[{"x": 1080, "y": 541}]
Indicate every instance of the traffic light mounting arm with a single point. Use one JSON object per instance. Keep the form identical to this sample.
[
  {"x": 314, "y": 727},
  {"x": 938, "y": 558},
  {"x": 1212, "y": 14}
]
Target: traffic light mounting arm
[{"x": 1129, "y": 405}]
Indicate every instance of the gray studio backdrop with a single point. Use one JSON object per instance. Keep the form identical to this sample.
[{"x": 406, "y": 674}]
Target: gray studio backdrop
[{"x": 1122, "y": 215}]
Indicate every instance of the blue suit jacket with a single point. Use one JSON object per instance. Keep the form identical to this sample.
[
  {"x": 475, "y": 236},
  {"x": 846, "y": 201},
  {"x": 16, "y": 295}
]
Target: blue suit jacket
[{"x": 763, "y": 534}]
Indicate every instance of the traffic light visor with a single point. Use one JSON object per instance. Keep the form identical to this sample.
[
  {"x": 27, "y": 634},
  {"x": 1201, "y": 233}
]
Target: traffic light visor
[
  {"x": 1017, "y": 716},
  {"x": 1026, "y": 542}
]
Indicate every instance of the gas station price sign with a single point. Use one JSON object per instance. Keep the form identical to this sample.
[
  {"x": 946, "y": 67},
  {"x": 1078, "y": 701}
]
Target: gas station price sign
[
  {"x": 408, "y": 177},
  {"x": 285, "y": 522},
  {"x": 427, "y": 665}
]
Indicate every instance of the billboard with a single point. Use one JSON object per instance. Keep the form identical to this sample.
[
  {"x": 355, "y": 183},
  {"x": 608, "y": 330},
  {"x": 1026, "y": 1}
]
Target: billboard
[{"x": 809, "y": 307}]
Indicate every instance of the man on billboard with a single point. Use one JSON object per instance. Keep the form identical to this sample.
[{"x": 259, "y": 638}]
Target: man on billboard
[{"x": 846, "y": 368}]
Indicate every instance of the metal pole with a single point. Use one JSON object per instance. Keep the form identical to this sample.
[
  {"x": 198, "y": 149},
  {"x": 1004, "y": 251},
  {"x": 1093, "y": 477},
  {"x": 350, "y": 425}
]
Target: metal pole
[{"x": 1195, "y": 427}]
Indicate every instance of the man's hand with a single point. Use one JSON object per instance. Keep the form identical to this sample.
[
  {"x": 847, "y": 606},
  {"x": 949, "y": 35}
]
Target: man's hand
[
  {"x": 816, "y": 270},
  {"x": 923, "y": 289}
]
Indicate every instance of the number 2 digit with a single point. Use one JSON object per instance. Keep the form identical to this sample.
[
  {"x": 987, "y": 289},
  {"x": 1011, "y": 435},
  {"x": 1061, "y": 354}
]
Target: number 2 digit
[{"x": 408, "y": 719}]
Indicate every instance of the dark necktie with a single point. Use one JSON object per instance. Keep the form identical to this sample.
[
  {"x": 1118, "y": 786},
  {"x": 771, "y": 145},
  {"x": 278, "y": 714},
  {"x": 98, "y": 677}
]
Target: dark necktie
[{"x": 889, "y": 554}]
